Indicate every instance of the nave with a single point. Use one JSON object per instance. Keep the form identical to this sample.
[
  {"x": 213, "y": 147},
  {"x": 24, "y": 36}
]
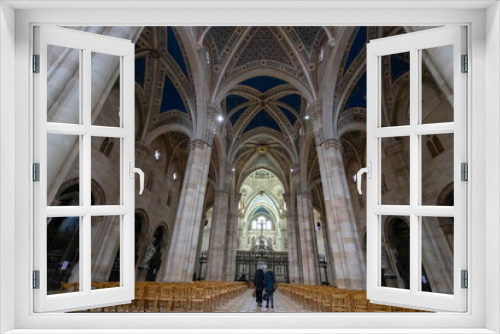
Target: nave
[{"x": 231, "y": 297}]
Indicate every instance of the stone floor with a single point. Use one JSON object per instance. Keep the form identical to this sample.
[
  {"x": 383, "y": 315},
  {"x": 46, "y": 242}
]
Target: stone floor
[{"x": 245, "y": 303}]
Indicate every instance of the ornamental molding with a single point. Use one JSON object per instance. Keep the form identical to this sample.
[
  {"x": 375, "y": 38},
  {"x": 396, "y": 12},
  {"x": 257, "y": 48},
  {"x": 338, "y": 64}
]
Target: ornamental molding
[
  {"x": 332, "y": 143},
  {"x": 314, "y": 111},
  {"x": 197, "y": 144}
]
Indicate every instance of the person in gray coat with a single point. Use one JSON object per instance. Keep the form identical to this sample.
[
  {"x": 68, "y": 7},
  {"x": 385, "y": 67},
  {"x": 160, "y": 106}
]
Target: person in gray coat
[{"x": 269, "y": 285}]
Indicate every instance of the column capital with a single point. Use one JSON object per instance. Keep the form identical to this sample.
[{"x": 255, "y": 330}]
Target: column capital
[
  {"x": 197, "y": 143},
  {"x": 315, "y": 110},
  {"x": 221, "y": 193},
  {"x": 333, "y": 143},
  {"x": 213, "y": 110},
  {"x": 305, "y": 194}
]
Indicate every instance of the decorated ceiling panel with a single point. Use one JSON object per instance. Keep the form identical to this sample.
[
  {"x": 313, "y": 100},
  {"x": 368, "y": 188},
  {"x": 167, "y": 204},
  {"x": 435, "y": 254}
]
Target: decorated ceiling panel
[
  {"x": 140, "y": 70},
  {"x": 175, "y": 50},
  {"x": 357, "y": 45},
  {"x": 171, "y": 98},
  {"x": 263, "y": 45},
  {"x": 263, "y": 83},
  {"x": 262, "y": 118}
]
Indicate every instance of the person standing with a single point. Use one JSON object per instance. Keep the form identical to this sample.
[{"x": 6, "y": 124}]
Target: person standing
[
  {"x": 269, "y": 285},
  {"x": 259, "y": 286}
]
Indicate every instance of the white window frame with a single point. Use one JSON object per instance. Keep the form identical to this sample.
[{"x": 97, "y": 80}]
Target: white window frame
[
  {"x": 86, "y": 43},
  {"x": 482, "y": 316},
  {"x": 414, "y": 43}
]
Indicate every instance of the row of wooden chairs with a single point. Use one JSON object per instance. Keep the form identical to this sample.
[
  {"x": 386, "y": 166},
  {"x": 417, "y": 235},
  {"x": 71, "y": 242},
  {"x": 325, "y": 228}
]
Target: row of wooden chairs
[
  {"x": 169, "y": 297},
  {"x": 333, "y": 299}
]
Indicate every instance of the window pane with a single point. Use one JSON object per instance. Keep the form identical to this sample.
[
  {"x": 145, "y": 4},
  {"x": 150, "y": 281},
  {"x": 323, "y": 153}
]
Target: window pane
[
  {"x": 437, "y": 254},
  {"x": 63, "y": 85},
  {"x": 437, "y": 85},
  {"x": 437, "y": 169},
  {"x": 106, "y": 156},
  {"x": 63, "y": 248},
  {"x": 395, "y": 94},
  {"x": 105, "y": 251},
  {"x": 63, "y": 170},
  {"x": 395, "y": 178},
  {"x": 395, "y": 252},
  {"x": 105, "y": 95}
]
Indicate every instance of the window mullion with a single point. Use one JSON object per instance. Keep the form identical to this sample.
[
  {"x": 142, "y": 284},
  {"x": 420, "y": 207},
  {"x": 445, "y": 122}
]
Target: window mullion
[
  {"x": 85, "y": 245},
  {"x": 414, "y": 172}
]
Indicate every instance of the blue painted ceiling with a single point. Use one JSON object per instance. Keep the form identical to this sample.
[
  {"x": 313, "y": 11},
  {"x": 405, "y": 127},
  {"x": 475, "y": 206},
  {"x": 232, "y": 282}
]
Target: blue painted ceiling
[
  {"x": 234, "y": 117},
  {"x": 262, "y": 119},
  {"x": 174, "y": 49},
  {"x": 263, "y": 83},
  {"x": 291, "y": 117},
  {"x": 171, "y": 98},
  {"x": 357, "y": 45},
  {"x": 358, "y": 95},
  {"x": 140, "y": 70},
  {"x": 400, "y": 64}
]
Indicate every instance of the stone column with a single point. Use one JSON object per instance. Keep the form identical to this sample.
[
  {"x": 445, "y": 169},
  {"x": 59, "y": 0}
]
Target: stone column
[
  {"x": 182, "y": 250},
  {"x": 218, "y": 237},
  {"x": 308, "y": 247},
  {"x": 64, "y": 101},
  {"x": 232, "y": 237},
  {"x": 294, "y": 262},
  {"x": 344, "y": 251}
]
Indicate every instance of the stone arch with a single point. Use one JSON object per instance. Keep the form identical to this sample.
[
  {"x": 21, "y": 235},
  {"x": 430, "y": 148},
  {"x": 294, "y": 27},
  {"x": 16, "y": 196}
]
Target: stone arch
[
  {"x": 300, "y": 86},
  {"x": 98, "y": 197},
  {"x": 397, "y": 239},
  {"x": 152, "y": 135}
]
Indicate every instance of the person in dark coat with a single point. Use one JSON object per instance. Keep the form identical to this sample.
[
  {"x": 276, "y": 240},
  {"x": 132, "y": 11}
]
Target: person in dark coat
[
  {"x": 269, "y": 285},
  {"x": 259, "y": 286}
]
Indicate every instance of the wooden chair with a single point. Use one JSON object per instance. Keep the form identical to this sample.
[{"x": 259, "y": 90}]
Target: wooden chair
[
  {"x": 68, "y": 287},
  {"x": 181, "y": 295},
  {"x": 151, "y": 298},
  {"x": 359, "y": 303},
  {"x": 137, "y": 304},
  {"x": 340, "y": 302},
  {"x": 166, "y": 299},
  {"x": 379, "y": 308},
  {"x": 197, "y": 298}
]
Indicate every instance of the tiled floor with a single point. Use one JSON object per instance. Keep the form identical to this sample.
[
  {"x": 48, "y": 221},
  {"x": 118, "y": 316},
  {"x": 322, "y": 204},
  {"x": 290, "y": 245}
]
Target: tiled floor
[{"x": 245, "y": 303}]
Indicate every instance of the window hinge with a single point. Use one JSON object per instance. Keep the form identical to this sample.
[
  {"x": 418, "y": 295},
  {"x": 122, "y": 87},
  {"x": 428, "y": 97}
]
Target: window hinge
[
  {"x": 36, "y": 172},
  {"x": 465, "y": 64},
  {"x": 465, "y": 279},
  {"x": 36, "y": 63},
  {"x": 464, "y": 172},
  {"x": 36, "y": 279}
]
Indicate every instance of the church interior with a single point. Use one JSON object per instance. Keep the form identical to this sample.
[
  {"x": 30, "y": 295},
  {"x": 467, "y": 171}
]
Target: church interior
[{"x": 250, "y": 139}]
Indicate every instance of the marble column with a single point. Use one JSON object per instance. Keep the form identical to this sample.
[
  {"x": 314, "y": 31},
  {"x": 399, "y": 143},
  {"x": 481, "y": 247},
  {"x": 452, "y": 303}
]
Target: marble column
[
  {"x": 182, "y": 250},
  {"x": 63, "y": 99},
  {"x": 344, "y": 251},
  {"x": 308, "y": 247},
  {"x": 294, "y": 260},
  {"x": 218, "y": 237},
  {"x": 232, "y": 237}
]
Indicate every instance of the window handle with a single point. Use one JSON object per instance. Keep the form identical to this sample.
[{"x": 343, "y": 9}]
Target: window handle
[
  {"x": 141, "y": 176},
  {"x": 368, "y": 171}
]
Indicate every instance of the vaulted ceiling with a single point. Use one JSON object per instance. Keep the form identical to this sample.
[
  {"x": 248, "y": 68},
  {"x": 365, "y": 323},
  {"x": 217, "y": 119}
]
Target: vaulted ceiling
[{"x": 262, "y": 78}]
